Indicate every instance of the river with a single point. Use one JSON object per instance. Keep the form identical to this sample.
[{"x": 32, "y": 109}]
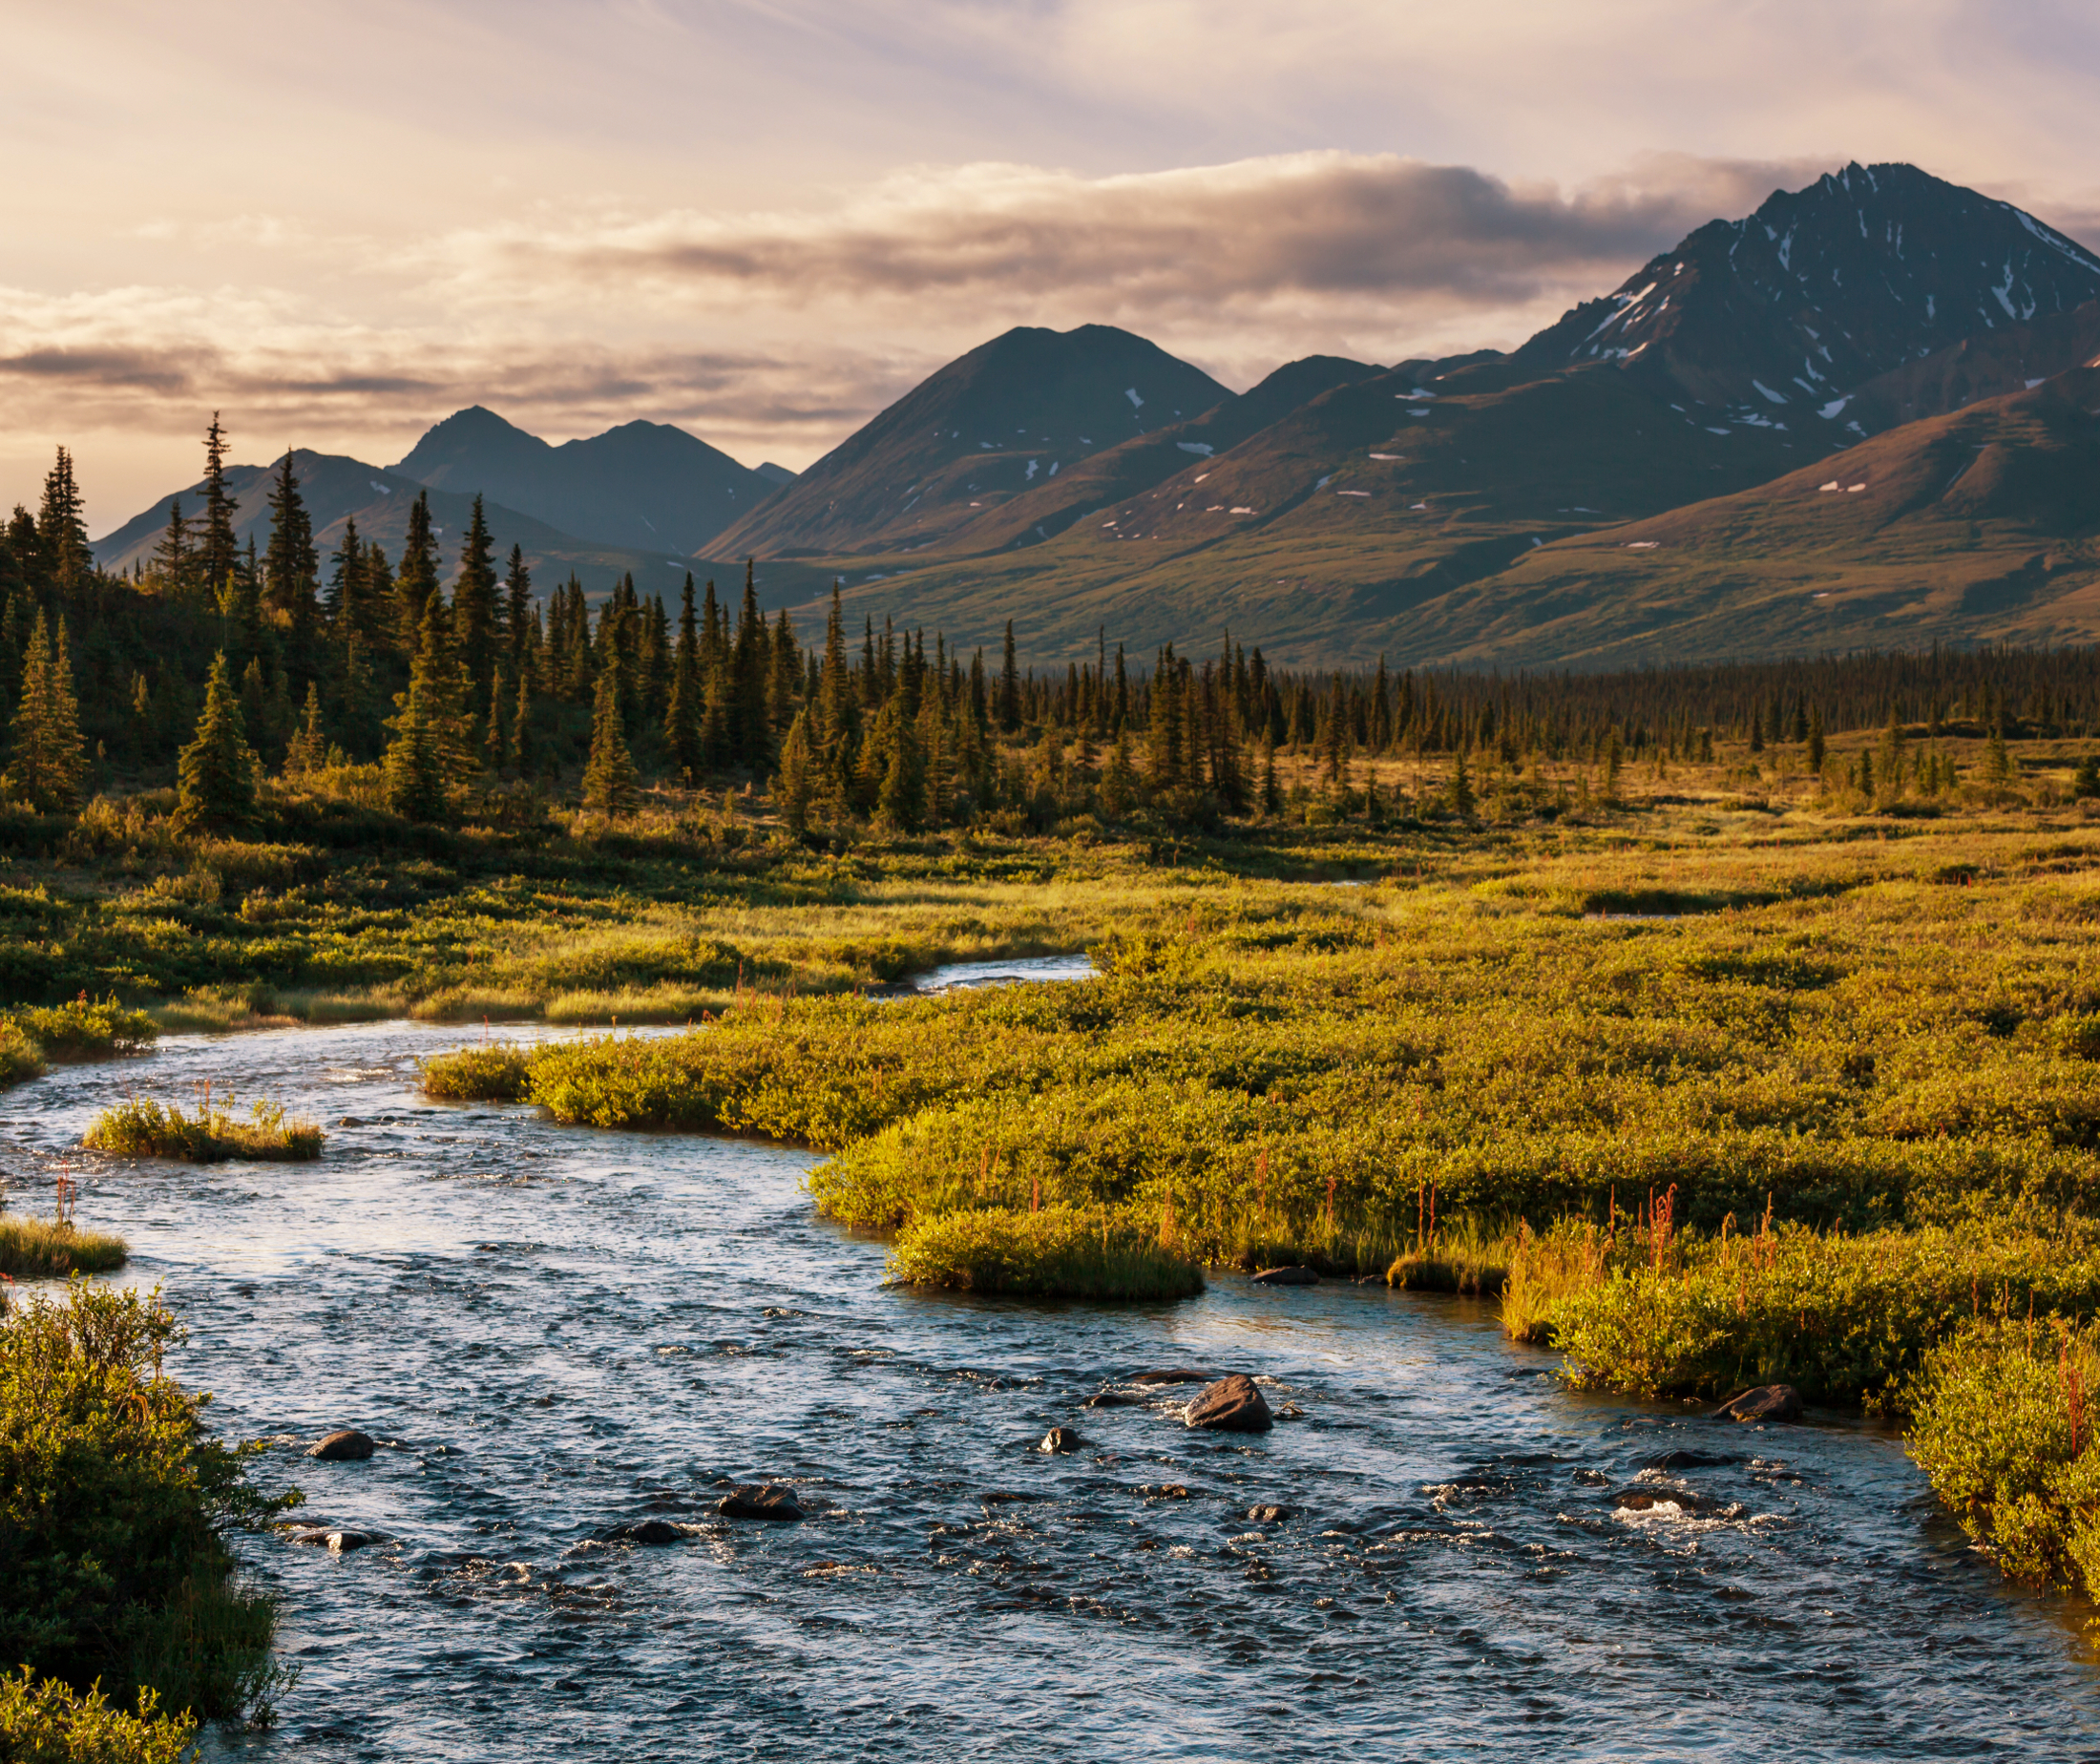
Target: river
[{"x": 555, "y": 1332}]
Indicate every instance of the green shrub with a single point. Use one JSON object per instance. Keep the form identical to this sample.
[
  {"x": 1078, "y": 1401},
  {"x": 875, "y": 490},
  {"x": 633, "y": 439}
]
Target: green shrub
[
  {"x": 46, "y": 1248},
  {"x": 1055, "y": 1253},
  {"x": 86, "y": 1028},
  {"x": 493, "y": 1072},
  {"x": 141, "y": 1127},
  {"x": 51, "y": 1723},
  {"x": 2003, "y": 1425},
  {"x": 20, "y": 1056},
  {"x": 113, "y": 1502}
]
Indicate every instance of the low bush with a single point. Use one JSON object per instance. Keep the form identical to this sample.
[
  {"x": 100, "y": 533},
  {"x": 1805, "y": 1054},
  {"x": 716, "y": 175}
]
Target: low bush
[
  {"x": 1055, "y": 1253},
  {"x": 48, "y": 1248},
  {"x": 114, "y": 1502},
  {"x": 86, "y": 1028},
  {"x": 1842, "y": 1319},
  {"x": 141, "y": 1127},
  {"x": 51, "y": 1723},
  {"x": 20, "y": 1056},
  {"x": 493, "y": 1072}
]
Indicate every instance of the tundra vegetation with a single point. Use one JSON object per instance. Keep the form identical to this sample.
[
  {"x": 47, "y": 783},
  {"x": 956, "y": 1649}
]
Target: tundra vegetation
[
  {"x": 1672, "y": 1005},
  {"x": 208, "y": 1133}
]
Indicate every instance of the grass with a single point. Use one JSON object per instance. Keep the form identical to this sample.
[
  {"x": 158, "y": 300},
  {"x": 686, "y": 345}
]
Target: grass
[
  {"x": 1055, "y": 1252},
  {"x": 143, "y": 1128},
  {"x": 493, "y": 1072},
  {"x": 50, "y": 1249}
]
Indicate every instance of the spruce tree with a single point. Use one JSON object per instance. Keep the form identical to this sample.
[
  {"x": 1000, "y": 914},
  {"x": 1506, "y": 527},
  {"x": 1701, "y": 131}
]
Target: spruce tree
[
  {"x": 1009, "y": 698},
  {"x": 517, "y": 612},
  {"x": 290, "y": 567},
  {"x": 1460, "y": 793},
  {"x": 413, "y": 773},
  {"x": 61, "y": 525},
  {"x": 750, "y": 717},
  {"x": 309, "y": 751},
  {"x": 795, "y": 787},
  {"x": 415, "y": 582},
  {"x": 219, "y": 551},
  {"x": 1119, "y": 785},
  {"x": 214, "y": 774},
  {"x": 474, "y": 610},
  {"x": 173, "y": 560},
  {"x": 609, "y": 775},
  {"x": 521, "y": 728},
  {"x": 683, "y": 713},
  {"x": 49, "y": 759}
]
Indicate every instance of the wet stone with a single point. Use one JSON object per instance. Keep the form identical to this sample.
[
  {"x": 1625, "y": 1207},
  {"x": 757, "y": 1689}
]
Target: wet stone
[
  {"x": 1270, "y": 1514},
  {"x": 1173, "y": 1374},
  {"x": 1233, "y": 1404},
  {"x": 336, "y": 1539},
  {"x": 1287, "y": 1276},
  {"x": 1768, "y": 1402},
  {"x": 1113, "y": 1399},
  {"x": 345, "y": 1445},
  {"x": 1060, "y": 1439},
  {"x": 765, "y": 1501},
  {"x": 647, "y": 1531},
  {"x": 1164, "y": 1491},
  {"x": 1687, "y": 1461},
  {"x": 1652, "y": 1497}
]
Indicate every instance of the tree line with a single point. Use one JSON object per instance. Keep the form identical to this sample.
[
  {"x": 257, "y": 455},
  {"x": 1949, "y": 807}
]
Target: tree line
[{"x": 219, "y": 663}]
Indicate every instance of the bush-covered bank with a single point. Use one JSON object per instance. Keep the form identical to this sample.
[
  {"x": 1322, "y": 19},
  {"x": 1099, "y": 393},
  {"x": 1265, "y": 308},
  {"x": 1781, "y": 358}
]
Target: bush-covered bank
[
  {"x": 2002, "y": 1423},
  {"x": 1842, "y": 1318},
  {"x": 1863, "y": 1036},
  {"x": 210, "y": 1133},
  {"x": 51, "y": 1249},
  {"x": 1055, "y": 1252},
  {"x": 112, "y": 1504},
  {"x": 82, "y": 1030}
]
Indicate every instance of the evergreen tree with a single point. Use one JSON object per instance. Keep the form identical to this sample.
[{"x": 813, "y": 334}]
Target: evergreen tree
[
  {"x": 219, "y": 552},
  {"x": 216, "y": 773},
  {"x": 475, "y": 611},
  {"x": 1272, "y": 792},
  {"x": 609, "y": 775},
  {"x": 309, "y": 748},
  {"x": 1816, "y": 747},
  {"x": 415, "y": 582},
  {"x": 795, "y": 788},
  {"x": 47, "y": 758},
  {"x": 750, "y": 718},
  {"x": 517, "y": 610},
  {"x": 61, "y": 526},
  {"x": 173, "y": 560},
  {"x": 521, "y": 729},
  {"x": 290, "y": 567},
  {"x": 2086, "y": 780},
  {"x": 413, "y": 773},
  {"x": 1009, "y": 698},
  {"x": 1119, "y": 785},
  {"x": 1459, "y": 794},
  {"x": 682, "y": 714}
]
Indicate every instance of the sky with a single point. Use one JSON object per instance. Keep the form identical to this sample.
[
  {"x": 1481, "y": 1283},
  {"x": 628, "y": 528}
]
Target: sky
[{"x": 765, "y": 220}]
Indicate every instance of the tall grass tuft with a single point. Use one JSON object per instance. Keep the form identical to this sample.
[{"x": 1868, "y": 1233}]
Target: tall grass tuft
[
  {"x": 51, "y": 1249},
  {"x": 141, "y": 1127},
  {"x": 1094, "y": 1252}
]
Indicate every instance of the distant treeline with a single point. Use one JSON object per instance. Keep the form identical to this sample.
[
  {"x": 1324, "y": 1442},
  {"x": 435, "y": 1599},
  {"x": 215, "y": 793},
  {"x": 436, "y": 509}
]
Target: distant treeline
[{"x": 360, "y": 659}]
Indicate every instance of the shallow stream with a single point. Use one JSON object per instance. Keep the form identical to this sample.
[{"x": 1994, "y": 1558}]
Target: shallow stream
[{"x": 555, "y": 1332}]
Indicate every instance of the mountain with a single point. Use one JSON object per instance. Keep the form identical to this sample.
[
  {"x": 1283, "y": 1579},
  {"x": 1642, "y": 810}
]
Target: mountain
[
  {"x": 1382, "y": 511},
  {"x": 1978, "y": 526},
  {"x": 982, "y": 431},
  {"x": 336, "y": 488},
  {"x": 642, "y": 485},
  {"x": 1780, "y": 317}
]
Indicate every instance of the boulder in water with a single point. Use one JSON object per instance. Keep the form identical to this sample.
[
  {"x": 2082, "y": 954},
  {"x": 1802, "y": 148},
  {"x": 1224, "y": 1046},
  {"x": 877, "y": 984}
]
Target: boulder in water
[
  {"x": 1768, "y": 1402},
  {"x": 1233, "y": 1404},
  {"x": 1657, "y": 1497},
  {"x": 1112, "y": 1399},
  {"x": 1687, "y": 1461},
  {"x": 345, "y": 1446},
  {"x": 1287, "y": 1276},
  {"x": 1270, "y": 1514},
  {"x": 336, "y": 1538},
  {"x": 1173, "y": 1374},
  {"x": 1060, "y": 1439},
  {"x": 767, "y": 1501},
  {"x": 645, "y": 1531}
]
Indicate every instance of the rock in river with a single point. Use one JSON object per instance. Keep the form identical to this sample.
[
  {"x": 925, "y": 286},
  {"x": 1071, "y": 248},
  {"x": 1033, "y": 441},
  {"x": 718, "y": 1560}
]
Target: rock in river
[
  {"x": 1287, "y": 1276},
  {"x": 1060, "y": 1439},
  {"x": 1768, "y": 1402},
  {"x": 1231, "y": 1405},
  {"x": 646, "y": 1531},
  {"x": 760, "y": 1500},
  {"x": 1173, "y": 1374},
  {"x": 336, "y": 1538},
  {"x": 345, "y": 1446}
]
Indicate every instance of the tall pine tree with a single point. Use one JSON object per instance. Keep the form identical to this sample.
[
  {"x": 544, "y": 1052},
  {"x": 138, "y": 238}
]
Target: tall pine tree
[
  {"x": 47, "y": 758},
  {"x": 216, "y": 773}
]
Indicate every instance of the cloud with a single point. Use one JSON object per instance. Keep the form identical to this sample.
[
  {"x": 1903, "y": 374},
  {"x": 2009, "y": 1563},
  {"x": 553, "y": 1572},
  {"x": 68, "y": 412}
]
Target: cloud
[{"x": 1278, "y": 228}]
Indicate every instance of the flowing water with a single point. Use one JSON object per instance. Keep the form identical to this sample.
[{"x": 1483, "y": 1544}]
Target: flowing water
[{"x": 555, "y": 1332}]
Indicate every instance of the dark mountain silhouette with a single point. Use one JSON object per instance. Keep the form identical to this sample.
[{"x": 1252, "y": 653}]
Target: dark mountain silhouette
[
  {"x": 644, "y": 485},
  {"x": 1012, "y": 413},
  {"x": 335, "y": 488}
]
